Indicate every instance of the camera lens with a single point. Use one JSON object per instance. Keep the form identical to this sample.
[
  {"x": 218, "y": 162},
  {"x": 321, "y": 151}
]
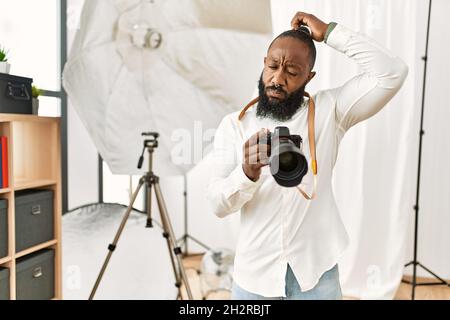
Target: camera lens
[
  {"x": 288, "y": 165},
  {"x": 288, "y": 161}
]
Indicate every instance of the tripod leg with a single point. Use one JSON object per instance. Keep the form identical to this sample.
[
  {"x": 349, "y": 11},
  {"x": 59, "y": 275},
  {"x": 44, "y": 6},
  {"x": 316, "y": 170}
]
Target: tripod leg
[
  {"x": 113, "y": 245},
  {"x": 149, "y": 206},
  {"x": 176, "y": 272},
  {"x": 433, "y": 274},
  {"x": 172, "y": 261},
  {"x": 172, "y": 239},
  {"x": 198, "y": 242}
]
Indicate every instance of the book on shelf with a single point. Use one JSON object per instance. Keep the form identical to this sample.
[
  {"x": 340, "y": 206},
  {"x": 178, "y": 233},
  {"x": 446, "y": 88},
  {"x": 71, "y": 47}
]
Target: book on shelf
[
  {"x": 4, "y": 162},
  {"x": 1, "y": 164}
]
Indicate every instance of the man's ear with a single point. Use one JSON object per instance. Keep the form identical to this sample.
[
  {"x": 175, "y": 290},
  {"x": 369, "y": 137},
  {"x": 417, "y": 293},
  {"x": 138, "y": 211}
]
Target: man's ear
[
  {"x": 265, "y": 58},
  {"x": 311, "y": 75}
]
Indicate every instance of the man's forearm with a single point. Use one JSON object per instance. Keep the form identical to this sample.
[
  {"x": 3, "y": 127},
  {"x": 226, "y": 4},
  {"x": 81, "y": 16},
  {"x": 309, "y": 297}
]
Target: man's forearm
[
  {"x": 229, "y": 188},
  {"x": 365, "y": 94}
]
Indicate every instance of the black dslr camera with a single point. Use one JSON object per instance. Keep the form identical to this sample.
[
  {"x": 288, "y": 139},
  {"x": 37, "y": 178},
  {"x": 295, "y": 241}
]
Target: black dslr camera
[{"x": 287, "y": 163}]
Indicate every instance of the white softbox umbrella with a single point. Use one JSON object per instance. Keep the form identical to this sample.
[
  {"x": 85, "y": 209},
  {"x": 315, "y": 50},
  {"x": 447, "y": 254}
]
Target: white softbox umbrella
[{"x": 173, "y": 66}]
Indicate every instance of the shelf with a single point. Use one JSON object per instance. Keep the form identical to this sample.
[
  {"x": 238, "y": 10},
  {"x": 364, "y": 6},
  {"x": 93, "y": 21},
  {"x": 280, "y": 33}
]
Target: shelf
[
  {"x": 5, "y": 260},
  {"x": 5, "y": 190},
  {"x": 21, "y": 184},
  {"x": 34, "y": 162},
  {"x": 36, "y": 248},
  {"x": 35, "y": 150},
  {"x": 10, "y": 117}
]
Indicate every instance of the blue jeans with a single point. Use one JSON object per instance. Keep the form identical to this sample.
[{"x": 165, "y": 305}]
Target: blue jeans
[{"x": 328, "y": 288}]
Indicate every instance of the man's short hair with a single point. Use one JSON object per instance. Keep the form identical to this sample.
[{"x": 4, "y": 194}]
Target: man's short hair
[{"x": 303, "y": 35}]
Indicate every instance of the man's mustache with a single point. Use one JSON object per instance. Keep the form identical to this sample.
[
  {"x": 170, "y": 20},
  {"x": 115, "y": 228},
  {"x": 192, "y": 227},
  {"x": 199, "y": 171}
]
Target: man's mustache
[{"x": 277, "y": 89}]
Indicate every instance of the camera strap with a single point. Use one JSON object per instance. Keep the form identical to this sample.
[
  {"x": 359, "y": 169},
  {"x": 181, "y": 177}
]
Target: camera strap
[
  {"x": 311, "y": 138},
  {"x": 312, "y": 146}
]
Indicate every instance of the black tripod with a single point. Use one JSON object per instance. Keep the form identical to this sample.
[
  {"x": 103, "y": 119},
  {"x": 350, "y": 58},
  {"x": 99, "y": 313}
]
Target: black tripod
[
  {"x": 150, "y": 179},
  {"x": 414, "y": 262}
]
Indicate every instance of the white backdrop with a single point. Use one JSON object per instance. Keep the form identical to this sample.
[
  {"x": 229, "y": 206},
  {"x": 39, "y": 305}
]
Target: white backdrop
[{"x": 375, "y": 176}]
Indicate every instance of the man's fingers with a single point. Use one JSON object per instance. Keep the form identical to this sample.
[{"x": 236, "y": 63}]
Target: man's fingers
[
  {"x": 263, "y": 149},
  {"x": 298, "y": 20},
  {"x": 257, "y": 154},
  {"x": 263, "y": 153},
  {"x": 254, "y": 139}
]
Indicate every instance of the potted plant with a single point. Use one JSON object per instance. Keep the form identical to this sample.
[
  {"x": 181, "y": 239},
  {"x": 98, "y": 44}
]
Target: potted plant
[
  {"x": 4, "y": 65},
  {"x": 35, "y": 93}
]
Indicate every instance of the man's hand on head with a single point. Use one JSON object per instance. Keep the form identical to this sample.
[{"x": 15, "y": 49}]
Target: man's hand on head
[{"x": 318, "y": 27}]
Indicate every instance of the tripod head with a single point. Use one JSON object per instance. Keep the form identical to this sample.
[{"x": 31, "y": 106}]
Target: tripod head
[
  {"x": 149, "y": 144},
  {"x": 153, "y": 141}
]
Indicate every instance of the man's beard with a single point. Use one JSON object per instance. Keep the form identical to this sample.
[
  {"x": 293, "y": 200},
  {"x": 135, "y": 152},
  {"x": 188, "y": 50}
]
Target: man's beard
[{"x": 279, "y": 110}]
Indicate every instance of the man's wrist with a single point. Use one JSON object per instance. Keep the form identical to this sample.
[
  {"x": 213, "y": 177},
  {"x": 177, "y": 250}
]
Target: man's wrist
[
  {"x": 330, "y": 28},
  {"x": 253, "y": 177}
]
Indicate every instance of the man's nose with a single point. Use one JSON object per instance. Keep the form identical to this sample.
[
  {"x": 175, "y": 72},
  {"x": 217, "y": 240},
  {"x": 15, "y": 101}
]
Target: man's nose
[{"x": 279, "y": 78}]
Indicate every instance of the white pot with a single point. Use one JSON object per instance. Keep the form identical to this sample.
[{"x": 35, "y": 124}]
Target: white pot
[
  {"x": 4, "y": 67},
  {"x": 35, "y": 106}
]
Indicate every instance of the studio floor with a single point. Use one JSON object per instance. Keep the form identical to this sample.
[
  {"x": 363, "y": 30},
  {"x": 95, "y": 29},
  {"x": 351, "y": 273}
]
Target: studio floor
[{"x": 192, "y": 265}]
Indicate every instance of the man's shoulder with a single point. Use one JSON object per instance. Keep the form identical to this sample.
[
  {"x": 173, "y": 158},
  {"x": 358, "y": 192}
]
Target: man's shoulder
[
  {"x": 326, "y": 98},
  {"x": 229, "y": 121},
  {"x": 232, "y": 117},
  {"x": 325, "y": 93}
]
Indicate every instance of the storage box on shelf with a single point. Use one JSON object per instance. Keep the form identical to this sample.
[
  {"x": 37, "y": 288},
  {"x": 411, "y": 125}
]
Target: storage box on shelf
[
  {"x": 4, "y": 284},
  {"x": 3, "y": 228},
  {"x": 33, "y": 217},
  {"x": 35, "y": 276}
]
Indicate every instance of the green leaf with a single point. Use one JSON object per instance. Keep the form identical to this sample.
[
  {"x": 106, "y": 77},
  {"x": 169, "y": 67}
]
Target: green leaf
[
  {"x": 3, "y": 54},
  {"x": 35, "y": 91}
]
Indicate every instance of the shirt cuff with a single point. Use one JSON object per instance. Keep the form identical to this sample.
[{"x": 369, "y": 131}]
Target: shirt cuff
[
  {"x": 339, "y": 38},
  {"x": 242, "y": 182},
  {"x": 330, "y": 28}
]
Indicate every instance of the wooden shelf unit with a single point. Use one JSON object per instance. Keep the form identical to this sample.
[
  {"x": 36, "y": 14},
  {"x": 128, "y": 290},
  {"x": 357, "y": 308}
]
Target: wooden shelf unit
[{"x": 34, "y": 157}]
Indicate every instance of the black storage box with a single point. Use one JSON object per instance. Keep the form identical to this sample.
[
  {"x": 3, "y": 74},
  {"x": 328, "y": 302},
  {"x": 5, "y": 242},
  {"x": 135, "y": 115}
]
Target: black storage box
[
  {"x": 4, "y": 284},
  {"x": 35, "y": 276},
  {"x": 15, "y": 94},
  {"x": 34, "y": 218},
  {"x": 3, "y": 228}
]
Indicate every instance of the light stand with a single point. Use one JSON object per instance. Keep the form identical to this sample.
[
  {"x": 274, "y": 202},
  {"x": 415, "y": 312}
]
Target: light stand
[
  {"x": 151, "y": 180},
  {"x": 186, "y": 236},
  {"x": 415, "y": 263}
]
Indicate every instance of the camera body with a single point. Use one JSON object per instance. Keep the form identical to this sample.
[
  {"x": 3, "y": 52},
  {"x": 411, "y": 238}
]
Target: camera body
[
  {"x": 288, "y": 165},
  {"x": 283, "y": 133}
]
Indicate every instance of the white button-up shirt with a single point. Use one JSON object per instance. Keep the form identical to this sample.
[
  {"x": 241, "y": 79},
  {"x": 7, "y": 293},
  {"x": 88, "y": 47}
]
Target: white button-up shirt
[{"x": 278, "y": 225}]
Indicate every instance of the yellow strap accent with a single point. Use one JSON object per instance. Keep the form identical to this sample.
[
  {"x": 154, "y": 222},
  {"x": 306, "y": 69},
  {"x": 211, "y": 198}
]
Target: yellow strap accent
[
  {"x": 314, "y": 166},
  {"x": 311, "y": 137}
]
